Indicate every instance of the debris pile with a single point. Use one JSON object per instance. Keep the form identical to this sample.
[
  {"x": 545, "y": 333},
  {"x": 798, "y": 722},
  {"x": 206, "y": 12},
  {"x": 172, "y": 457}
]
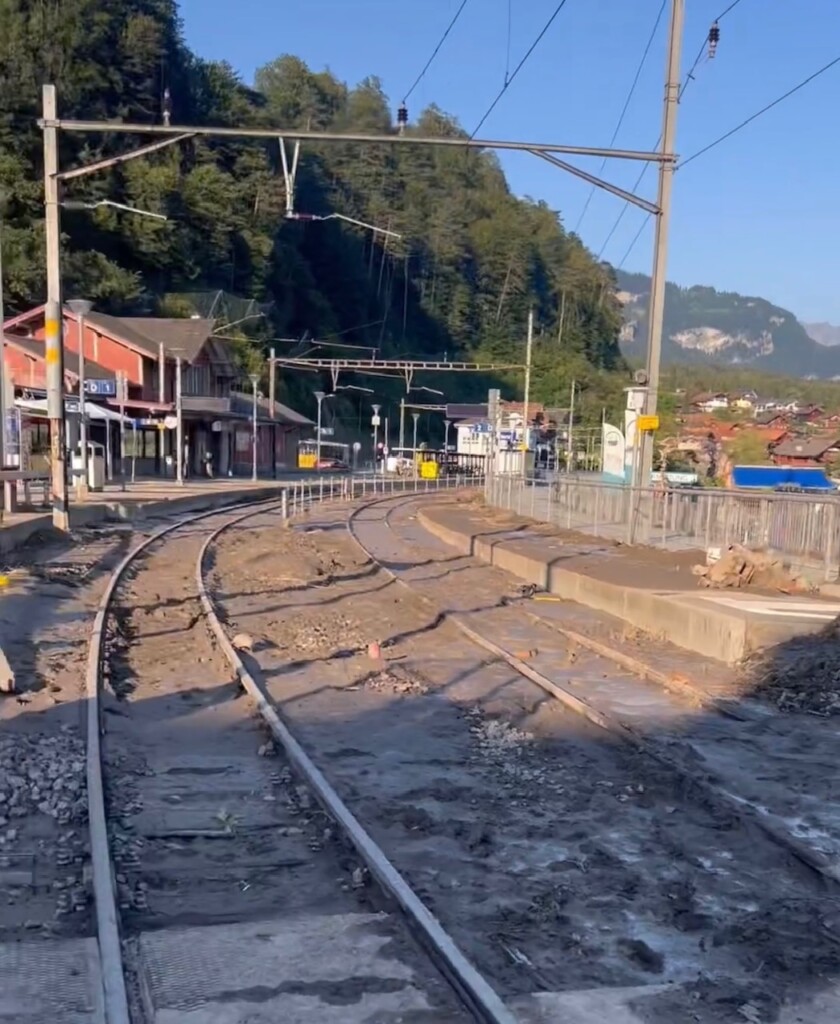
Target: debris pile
[
  {"x": 42, "y": 773},
  {"x": 800, "y": 675},
  {"x": 741, "y": 567}
]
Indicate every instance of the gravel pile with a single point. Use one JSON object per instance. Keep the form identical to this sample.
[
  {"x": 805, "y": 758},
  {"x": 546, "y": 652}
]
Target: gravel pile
[
  {"x": 44, "y": 774},
  {"x": 800, "y": 675}
]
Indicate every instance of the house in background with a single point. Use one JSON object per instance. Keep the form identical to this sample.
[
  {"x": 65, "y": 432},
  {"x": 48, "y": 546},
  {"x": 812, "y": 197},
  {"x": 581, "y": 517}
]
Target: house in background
[
  {"x": 806, "y": 451},
  {"x": 710, "y": 401},
  {"x": 145, "y": 352}
]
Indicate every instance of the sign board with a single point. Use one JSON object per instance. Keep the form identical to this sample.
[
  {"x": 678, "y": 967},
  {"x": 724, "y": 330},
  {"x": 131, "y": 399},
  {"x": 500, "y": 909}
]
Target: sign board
[
  {"x": 170, "y": 422},
  {"x": 647, "y": 424},
  {"x": 480, "y": 428},
  {"x": 357, "y": 446},
  {"x": 103, "y": 388},
  {"x": 612, "y": 451},
  {"x": 326, "y": 431},
  {"x": 374, "y": 420}
]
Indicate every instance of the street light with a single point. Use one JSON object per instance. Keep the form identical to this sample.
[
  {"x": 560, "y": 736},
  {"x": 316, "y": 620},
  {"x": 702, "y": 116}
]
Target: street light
[
  {"x": 74, "y": 204},
  {"x": 375, "y": 421},
  {"x": 447, "y": 424},
  {"x": 415, "y": 416},
  {"x": 81, "y": 308},
  {"x": 255, "y": 379},
  {"x": 319, "y": 397},
  {"x": 3, "y": 205}
]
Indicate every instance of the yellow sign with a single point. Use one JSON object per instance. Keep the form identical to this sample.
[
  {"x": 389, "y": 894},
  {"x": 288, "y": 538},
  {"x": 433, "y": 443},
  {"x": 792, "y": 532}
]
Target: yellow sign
[{"x": 647, "y": 424}]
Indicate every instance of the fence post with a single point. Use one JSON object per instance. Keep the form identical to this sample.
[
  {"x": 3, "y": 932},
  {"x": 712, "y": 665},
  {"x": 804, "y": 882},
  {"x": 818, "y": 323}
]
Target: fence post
[
  {"x": 284, "y": 503},
  {"x": 830, "y": 527}
]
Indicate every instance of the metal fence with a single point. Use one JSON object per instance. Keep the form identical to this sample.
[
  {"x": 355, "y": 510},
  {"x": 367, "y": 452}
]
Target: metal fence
[{"x": 803, "y": 530}]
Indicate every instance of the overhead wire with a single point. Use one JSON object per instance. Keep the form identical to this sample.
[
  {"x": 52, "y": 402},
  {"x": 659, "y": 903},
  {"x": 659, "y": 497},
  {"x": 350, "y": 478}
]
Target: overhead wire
[
  {"x": 759, "y": 113},
  {"x": 624, "y": 109},
  {"x": 509, "y": 79},
  {"x": 733, "y": 131},
  {"x": 686, "y": 81},
  {"x": 436, "y": 50}
]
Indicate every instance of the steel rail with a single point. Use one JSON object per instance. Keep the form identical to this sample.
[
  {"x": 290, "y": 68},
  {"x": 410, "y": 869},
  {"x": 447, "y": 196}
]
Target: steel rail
[
  {"x": 472, "y": 988},
  {"x": 112, "y": 973},
  {"x": 713, "y": 793}
]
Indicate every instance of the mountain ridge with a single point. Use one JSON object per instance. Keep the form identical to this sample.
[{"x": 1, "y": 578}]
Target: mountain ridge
[{"x": 707, "y": 326}]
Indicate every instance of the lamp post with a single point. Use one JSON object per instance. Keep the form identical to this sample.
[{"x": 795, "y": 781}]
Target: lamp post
[
  {"x": 415, "y": 416},
  {"x": 255, "y": 379},
  {"x": 179, "y": 425},
  {"x": 80, "y": 308},
  {"x": 3, "y": 203},
  {"x": 375, "y": 421},
  {"x": 319, "y": 397},
  {"x": 446, "y": 424}
]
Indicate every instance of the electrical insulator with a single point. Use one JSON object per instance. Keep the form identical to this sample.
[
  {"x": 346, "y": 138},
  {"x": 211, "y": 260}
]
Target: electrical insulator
[
  {"x": 167, "y": 106},
  {"x": 714, "y": 39},
  {"x": 402, "y": 115}
]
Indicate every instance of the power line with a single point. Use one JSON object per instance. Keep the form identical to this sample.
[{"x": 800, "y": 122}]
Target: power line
[
  {"x": 436, "y": 50},
  {"x": 735, "y": 130},
  {"x": 688, "y": 78},
  {"x": 519, "y": 66},
  {"x": 624, "y": 109},
  {"x": 759, "y": 113}
]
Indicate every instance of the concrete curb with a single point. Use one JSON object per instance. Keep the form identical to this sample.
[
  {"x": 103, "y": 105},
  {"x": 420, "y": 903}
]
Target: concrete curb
[{"x": 681, "y": 617}]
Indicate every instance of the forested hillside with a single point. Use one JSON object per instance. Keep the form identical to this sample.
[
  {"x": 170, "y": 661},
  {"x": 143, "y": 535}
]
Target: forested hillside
[{"x": 471, "y": 260}]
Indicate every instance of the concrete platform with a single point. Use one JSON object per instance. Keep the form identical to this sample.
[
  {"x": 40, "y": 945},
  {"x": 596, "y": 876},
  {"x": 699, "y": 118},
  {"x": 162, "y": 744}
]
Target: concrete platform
[
  {"x": 650, "y": 590},
  {"x": 142, "y": 500}
]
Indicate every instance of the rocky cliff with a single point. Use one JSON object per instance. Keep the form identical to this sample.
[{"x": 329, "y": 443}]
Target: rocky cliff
[{"x": 703, "y": 325}]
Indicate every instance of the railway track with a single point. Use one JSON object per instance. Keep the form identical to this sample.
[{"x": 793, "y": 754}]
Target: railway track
[
  {"x": 228, "y": 876},
  {"x": 283, "y": 828}
]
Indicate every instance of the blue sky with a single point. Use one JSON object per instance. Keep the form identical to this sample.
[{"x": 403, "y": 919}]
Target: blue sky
[{"x": 760, "y": 214}]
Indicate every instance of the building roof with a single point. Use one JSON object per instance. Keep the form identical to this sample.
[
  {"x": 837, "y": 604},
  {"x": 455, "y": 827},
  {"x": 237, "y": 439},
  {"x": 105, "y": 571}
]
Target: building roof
[
  {"x": 242, "y": 404},
  {"x": 37, "y": 350},
  {"x": 805, "y": 447},
  {"x": 766, "y": 418},
  {"x": 457, "y": 412},
  {"x": 184, "y": 337}
]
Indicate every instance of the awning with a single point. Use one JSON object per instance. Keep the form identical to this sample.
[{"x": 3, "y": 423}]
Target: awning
[{"x": 38, "y": 407}]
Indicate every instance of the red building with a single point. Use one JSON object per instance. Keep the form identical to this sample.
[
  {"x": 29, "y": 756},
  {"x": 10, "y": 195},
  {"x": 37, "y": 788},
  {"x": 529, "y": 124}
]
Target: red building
[{"x": 145, "y": 352}]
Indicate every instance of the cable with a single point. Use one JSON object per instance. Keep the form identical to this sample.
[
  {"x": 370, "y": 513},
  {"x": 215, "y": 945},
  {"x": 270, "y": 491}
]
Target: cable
[
  {"x": 759, "y": 113},
  {"x": 735, "y": 130},
  {"x": 624, "y": 110},
  {"x": 519, "y": 66},
  {"x": 436, "y": 50},
  {"x": 688, "y": 78}
]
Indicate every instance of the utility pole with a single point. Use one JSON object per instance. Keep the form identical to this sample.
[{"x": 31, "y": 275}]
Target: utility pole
[
  {"x": 179, "y": 426},
  {"x": 319, "y": 398},
  {"x": 525, "y": 421},
  {"x": 272, "y": 394},
  {"x": 402, "y": 424},
  {"x": 415, "y": 416},
  {"x": 570, "y": 444},
  {"x": 54, "y": 348},
  {"x": 656, "y": 314},
  {"x": 255, "y": 379},
  {"x": 81, "y": 308}
]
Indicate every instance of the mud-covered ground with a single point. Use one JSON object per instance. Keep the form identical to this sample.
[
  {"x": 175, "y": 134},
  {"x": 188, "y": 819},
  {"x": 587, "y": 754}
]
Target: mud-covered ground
[
  {"x": 211, "y": 831},
  {"x": 558, "y": 858}
]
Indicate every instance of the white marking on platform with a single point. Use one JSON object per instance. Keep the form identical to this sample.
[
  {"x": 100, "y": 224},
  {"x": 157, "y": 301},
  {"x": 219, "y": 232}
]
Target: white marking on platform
[{"x": 777, "y": 606}]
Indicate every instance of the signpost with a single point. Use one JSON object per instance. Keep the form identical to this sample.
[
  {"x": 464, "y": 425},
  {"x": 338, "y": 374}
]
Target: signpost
[{"x": 101, "y": 388}]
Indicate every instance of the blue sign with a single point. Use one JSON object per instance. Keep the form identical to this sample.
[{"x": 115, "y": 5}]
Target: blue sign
[
  {"x": 102, "y": 388},
  {"x": 480, "y": 428}
]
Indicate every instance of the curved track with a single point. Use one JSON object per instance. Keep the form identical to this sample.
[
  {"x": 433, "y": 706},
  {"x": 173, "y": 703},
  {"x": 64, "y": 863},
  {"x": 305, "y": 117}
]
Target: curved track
[
  {"x": 143, "y": 775},
  {"x": 548, "y": 872}
]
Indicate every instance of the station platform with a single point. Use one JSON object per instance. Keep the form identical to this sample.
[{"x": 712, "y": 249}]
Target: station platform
[{"x": 648, "y": 589}]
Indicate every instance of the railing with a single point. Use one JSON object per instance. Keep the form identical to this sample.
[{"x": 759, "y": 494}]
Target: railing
[{"x": 801, "y": 529}]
